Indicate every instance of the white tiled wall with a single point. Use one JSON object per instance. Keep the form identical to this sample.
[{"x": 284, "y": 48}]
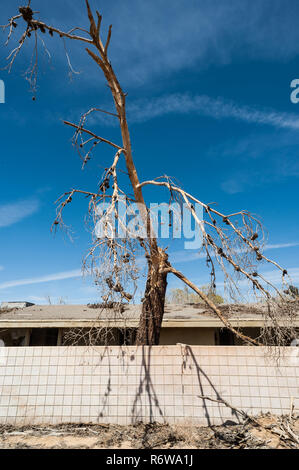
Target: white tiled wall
[{"x": 128, "y": 384}]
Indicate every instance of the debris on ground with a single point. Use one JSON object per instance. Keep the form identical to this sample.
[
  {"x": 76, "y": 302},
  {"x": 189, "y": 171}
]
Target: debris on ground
[{"x": 266, "y": 431}]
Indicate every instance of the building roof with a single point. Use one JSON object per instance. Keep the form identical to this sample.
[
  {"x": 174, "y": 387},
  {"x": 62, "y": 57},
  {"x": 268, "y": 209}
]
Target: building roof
[
  {"x": 15, "y": 304},
  {"x": 190, "y": 315}
]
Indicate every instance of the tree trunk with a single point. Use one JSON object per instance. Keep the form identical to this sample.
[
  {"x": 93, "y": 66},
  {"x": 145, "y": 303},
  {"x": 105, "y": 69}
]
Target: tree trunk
[{"x": 154, "y": 299}]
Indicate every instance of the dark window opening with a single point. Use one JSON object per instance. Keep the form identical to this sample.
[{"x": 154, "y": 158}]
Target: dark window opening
[
  {"x": 127, "y": 336},
  {"x": 44, "y": 337},
  {"x": 13, "y": 336},
  {"x": 226, "y": 337}
]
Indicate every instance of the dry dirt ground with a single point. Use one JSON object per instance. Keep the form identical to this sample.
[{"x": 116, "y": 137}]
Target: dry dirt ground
[{"x": 268, "y": 432}]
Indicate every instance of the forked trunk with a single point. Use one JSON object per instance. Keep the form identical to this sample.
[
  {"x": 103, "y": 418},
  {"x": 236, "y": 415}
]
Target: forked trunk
[{"x": 153, "y": 304}]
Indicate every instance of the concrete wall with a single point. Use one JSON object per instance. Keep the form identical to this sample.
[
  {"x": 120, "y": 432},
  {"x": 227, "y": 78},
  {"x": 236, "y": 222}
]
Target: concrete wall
[{"x": 128, "y": 384}]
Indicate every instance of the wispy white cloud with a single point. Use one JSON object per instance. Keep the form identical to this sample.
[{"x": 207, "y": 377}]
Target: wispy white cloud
[
  {"x": 13, "y": 212},
  {"x": 234, "y": 185},
  {"x": 217, "y": 108},
  {"x": 185, "y": 256},
  {"x": 275, "y": 277},
  {"x": 256, "y": 145},
  {"x": 275, "y": 150},
  {"x": 38, "y": 280},
  {"x": 36, "y": 298},
  {"x": 281, "y": 245},
  {"x": 1, "y": 268}
]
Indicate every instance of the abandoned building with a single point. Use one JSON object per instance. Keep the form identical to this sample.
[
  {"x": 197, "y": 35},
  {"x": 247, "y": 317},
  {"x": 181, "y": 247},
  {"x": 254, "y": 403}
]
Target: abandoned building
[{"x": 25, "y": 324}]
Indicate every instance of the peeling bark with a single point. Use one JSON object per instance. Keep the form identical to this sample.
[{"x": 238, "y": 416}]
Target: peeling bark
[{"x": 154, "y": 300}]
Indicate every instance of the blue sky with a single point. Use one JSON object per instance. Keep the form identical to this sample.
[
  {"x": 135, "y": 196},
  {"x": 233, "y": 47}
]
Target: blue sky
[{"x": 208, "y": 103}]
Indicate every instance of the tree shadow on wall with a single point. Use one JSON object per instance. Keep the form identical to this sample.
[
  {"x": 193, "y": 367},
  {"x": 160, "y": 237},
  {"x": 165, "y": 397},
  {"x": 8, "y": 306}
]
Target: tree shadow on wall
[
  {"x": 188, "y": 353},
  {"x": 145, "y": 392},
  {"x": 146, "y": 406},
  {"x": 150, "y": 396}
]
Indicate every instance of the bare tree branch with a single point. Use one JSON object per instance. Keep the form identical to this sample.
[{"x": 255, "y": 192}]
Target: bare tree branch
[
  {"x": 100, "y": 139},
  {"x": 212, "y": 306}
]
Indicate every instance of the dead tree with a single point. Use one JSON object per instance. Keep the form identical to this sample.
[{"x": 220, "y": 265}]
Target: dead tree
[{"x": 232, "y": 241}]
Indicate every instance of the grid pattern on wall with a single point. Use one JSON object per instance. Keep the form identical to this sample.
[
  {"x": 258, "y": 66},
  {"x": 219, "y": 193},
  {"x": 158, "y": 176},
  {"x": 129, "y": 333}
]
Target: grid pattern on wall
[{"x": 123, "y": 385}]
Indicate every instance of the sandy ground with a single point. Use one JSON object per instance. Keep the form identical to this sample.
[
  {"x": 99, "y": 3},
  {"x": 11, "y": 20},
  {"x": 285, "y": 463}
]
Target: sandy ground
[{"x": 271, "y": 433}]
